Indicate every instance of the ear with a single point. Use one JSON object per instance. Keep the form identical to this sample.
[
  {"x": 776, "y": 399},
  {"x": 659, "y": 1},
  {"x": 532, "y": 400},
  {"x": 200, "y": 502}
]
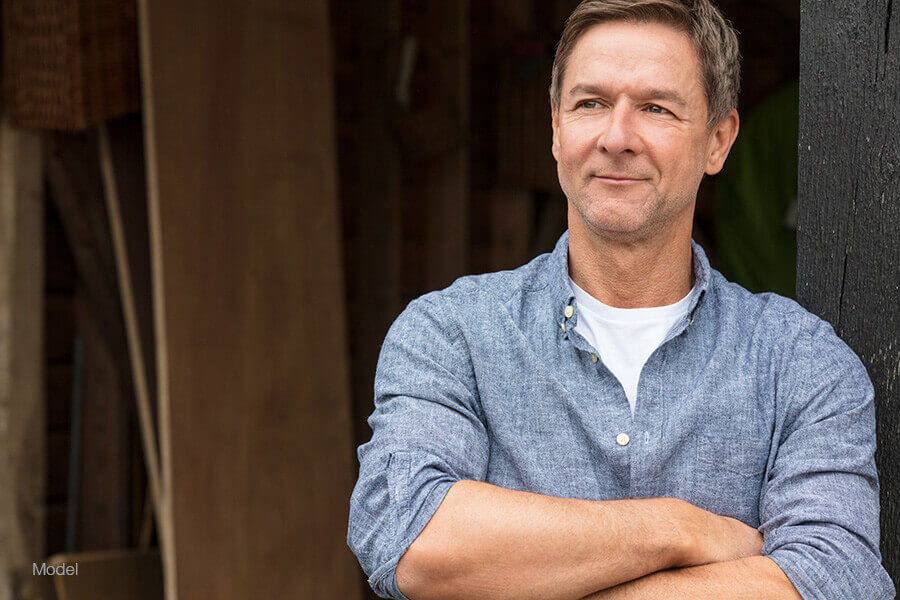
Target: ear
[
  {"x": 554, "y": 120},
  {"x": 720, "y": 142}
]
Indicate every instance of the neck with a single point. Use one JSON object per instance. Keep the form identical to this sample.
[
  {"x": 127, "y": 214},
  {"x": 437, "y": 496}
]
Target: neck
[{"x": 656, "y": 271}]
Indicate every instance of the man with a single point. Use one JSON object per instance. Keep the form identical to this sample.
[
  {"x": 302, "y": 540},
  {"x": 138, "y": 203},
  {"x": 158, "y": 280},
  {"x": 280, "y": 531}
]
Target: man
[{"x": 614, "y": 419}]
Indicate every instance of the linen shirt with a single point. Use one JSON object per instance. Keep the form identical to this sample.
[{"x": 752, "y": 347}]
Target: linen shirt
[{"x": 751, "y": 408}]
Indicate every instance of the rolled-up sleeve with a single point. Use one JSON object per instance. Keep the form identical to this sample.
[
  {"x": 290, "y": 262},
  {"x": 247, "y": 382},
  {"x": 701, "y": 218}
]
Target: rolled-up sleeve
[
  {"x": 819, "y": 507},
  {"x": 427, "y": 433}
]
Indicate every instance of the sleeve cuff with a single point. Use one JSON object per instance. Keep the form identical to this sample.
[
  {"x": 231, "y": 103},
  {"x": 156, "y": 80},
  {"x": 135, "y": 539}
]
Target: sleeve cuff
[
  {"x": 384, "y": 579},
  {"x": 813, "y": 582}
]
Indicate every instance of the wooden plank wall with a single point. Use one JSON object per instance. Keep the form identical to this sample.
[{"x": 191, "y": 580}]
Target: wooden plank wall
[
  {"x": 253, "y": 374},
  {"x": 848, "y": 234},
  {"x": 22, "y": 413}
]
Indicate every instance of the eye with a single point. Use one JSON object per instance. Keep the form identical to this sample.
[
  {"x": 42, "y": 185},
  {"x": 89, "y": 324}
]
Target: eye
[
  {"x": 588, "y": 104},
  {"x": 657, "y": 110}
]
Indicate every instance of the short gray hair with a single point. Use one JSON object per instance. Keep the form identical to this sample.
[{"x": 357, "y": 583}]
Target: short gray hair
[{"x": 714, "y": 38}]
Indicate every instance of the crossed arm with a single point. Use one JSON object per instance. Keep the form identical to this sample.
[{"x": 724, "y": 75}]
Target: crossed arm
[
  {"x": 420, "y": 496},
  {"x": 489, "y": 542},
  {"x": 748, "y": 578}
]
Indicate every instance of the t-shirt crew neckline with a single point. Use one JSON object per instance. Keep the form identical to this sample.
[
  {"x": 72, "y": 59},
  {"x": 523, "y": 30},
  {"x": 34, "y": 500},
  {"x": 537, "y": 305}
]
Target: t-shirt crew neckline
[{"x": 615, "y": 314}]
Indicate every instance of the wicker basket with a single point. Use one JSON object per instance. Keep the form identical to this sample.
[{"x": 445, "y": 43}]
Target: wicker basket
[{"x": 69, "y": 64}]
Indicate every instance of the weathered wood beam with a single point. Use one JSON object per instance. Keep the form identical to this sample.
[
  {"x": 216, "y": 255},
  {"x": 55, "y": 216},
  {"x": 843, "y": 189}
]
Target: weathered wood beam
[{"x": 848, "y": 235}]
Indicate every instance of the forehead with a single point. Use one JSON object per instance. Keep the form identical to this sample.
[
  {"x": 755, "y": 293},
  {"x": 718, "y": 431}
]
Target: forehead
[{"x": 635, "y": 55}]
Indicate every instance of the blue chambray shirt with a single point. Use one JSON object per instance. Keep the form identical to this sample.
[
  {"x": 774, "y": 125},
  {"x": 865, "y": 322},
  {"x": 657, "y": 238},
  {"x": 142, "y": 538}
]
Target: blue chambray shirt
[{"x": 751, "y": 408}]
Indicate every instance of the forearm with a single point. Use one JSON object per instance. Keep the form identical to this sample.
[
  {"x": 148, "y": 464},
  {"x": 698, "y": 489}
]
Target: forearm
[
  {"x": 752, "y": 578},
  {"x": 492, "y": 543}
]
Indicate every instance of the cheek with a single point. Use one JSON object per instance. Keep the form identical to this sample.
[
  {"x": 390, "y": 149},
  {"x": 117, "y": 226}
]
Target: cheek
[
  {"x": 687, "y": 160},
  {"x": 572, "y": 147}
]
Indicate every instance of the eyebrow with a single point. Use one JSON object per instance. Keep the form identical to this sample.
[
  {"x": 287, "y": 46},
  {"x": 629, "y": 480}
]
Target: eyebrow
[{"x": 653, "y": 94}]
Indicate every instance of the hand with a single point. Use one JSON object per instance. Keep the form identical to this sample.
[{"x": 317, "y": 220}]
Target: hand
[{"x": 712, "y": 538}]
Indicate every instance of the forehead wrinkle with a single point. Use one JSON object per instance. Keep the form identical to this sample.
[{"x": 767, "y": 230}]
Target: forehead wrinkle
[{"x": 594, "y": 61}]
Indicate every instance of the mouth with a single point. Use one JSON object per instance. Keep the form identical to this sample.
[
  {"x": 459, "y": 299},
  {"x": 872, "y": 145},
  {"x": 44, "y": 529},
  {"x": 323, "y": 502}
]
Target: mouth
[{"x": 616, "y": 179}]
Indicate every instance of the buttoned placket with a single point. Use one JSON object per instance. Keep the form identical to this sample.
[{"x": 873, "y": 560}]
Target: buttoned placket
[
  {"x": 619, "y": 438},
  {"x": 636, "y": 437},
  {"x": 649, "y": 411}
]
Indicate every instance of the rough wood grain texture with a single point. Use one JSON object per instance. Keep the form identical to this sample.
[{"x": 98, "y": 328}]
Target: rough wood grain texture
[
  {"x": 849, "y": 223},
  {"x": 69, "y": 63},
  {"x": 22, "y": 411},
  {"x": 253, "y": 378}
]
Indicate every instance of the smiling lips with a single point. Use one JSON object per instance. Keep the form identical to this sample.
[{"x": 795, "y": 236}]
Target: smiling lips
[{"x": 617, "y": 179}]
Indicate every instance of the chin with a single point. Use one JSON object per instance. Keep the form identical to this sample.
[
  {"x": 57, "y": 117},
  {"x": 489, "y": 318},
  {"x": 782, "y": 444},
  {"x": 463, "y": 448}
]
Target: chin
[
  {"x": 617, "y": 218},
  {"x": 622, "y": 230}
]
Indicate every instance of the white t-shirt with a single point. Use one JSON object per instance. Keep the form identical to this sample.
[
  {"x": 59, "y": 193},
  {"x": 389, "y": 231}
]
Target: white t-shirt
[{"x": 625, "y": 337}]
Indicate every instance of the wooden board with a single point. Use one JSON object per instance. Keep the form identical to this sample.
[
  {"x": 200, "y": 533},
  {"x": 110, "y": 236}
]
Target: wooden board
[
  {"x": 122, "y": 167},
  {"x": 253, "y": 379},
  {"x": 849, "y": 220},
  {"x": 22, "y": 410}
]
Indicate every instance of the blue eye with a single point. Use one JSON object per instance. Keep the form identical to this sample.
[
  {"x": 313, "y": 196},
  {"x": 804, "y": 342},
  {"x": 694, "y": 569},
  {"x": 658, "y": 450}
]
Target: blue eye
[
  {"x": 656, "y": 110},
  {"x": 588, "y": 104}
]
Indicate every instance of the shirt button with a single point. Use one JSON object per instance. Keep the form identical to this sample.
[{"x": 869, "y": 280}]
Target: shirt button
[
  {"x": 622, "y": 439},
  {"x": 594, "y": 357},
  {"x": 569, "y": 311}
]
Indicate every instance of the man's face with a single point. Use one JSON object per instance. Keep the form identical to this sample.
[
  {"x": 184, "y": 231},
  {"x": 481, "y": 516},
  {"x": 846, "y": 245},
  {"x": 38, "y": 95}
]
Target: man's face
[{"x": 630, "y": 136}]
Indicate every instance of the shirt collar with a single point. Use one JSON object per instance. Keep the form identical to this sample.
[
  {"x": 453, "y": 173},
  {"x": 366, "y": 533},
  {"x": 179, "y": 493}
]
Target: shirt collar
[{"x": 564, "y": 295}]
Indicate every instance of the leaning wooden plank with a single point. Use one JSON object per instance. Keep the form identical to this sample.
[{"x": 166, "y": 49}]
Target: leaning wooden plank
[
  {"x": 125, "y": 142},
  {"x": 136, "y": 341},
  {"x": 165, "y": 520},
  {"x": 22, "y": 412},
  {"x": 253, "y": 374}
]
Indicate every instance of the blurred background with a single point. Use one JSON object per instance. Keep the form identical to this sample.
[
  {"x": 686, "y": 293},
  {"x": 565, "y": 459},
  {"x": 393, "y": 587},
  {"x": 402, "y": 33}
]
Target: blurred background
[{"x": 211, "y": 212}]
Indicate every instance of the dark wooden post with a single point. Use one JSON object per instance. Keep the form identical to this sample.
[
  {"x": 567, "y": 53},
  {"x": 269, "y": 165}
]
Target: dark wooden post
[{"x": 848, "y": 236}]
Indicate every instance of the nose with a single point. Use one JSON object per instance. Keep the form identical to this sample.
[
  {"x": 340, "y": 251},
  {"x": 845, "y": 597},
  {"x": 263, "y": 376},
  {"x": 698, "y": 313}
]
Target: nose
[{"x": 620, "y": 134}]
